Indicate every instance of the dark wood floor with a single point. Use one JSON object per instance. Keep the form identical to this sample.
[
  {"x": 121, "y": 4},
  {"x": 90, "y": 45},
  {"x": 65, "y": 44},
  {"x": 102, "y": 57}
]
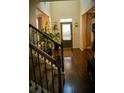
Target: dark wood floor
[{"x": 76, "y": 75}]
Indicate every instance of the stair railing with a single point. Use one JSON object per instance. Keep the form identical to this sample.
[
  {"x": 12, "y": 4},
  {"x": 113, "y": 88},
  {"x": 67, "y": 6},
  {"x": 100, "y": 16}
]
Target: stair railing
[
  {"x": 47, "y": 44},
  {"x": 42, "y": 73}
]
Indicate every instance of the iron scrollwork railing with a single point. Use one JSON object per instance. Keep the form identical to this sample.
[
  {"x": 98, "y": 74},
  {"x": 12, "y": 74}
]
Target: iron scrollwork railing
[
  {"x": 44, "y": 70},
  {"x": 47, "y": 44}
]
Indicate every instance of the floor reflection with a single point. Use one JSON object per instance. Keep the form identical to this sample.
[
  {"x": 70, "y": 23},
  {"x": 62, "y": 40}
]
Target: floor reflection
[
  {"x": 68, "y": 88},
  {"x": 67, "y": 63}
]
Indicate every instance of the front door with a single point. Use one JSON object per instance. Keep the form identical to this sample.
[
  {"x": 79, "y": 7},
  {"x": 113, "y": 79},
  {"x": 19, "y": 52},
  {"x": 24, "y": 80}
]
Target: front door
[{"x": 66, "y": 29}]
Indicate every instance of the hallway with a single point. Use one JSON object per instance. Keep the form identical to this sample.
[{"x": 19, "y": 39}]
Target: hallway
[{"x": 76, "y": 79}]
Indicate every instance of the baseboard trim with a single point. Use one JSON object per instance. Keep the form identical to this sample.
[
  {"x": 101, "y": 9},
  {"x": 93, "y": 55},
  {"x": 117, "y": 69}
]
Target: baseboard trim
[{"x": 88, "y": 47}]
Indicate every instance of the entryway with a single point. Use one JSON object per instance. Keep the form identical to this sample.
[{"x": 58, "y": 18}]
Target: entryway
[{"x": 66, "y": 30}]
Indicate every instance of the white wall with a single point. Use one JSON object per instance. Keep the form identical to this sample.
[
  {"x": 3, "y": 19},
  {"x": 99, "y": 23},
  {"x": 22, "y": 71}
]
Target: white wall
[{"x": 67, "y": 9}]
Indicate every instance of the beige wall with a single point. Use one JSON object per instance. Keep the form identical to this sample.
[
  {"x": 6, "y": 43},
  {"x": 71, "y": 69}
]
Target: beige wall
[
  {"x": 32, "y": 13},
  {"x": 67, "y": 9}
]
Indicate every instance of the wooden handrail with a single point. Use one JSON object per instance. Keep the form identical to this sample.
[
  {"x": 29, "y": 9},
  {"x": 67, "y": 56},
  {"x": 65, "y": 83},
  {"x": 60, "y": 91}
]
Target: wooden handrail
[
  {"x": 45, "y": 35},
  {"x": 41, "y": 52}
]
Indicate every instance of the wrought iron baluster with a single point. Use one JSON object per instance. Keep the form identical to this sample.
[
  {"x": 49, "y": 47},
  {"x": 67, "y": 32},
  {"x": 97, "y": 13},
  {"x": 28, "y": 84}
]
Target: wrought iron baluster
[
  {"x": 46, "y": 45},
  {"x": 30, "y": 34},
  {"x": 40, "y": 73},
  {"x": 48, "y": 50},
  {"x": 59, "y": 79},
  {"x": 30, "y": 84},
  {"x": 37, "y": 39},
  {"x": 41, "y": 41},
  {"x": 52, "y": 49},
  {"x": 33, "y": 36},
  {"x": 62, "y": 58},
  {"x": 52, "y": 77},
  {"x": 46, "y": 75},
  {"x": 44, "y": 42},
  {"x": 33, "y": 69}
]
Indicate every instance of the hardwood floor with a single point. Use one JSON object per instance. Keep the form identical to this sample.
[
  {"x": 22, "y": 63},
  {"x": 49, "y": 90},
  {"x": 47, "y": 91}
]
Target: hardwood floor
[{"x": 76, "y": 75}]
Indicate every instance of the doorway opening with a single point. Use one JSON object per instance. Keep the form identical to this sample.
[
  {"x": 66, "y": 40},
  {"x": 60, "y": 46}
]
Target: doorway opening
[
  {"x": 42, "y": 20},
  {"x": 88, "y": 23}
]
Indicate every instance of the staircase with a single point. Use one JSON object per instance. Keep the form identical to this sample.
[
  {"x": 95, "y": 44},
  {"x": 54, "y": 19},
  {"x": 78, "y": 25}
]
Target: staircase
[{"x": 45, "y": 63}]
